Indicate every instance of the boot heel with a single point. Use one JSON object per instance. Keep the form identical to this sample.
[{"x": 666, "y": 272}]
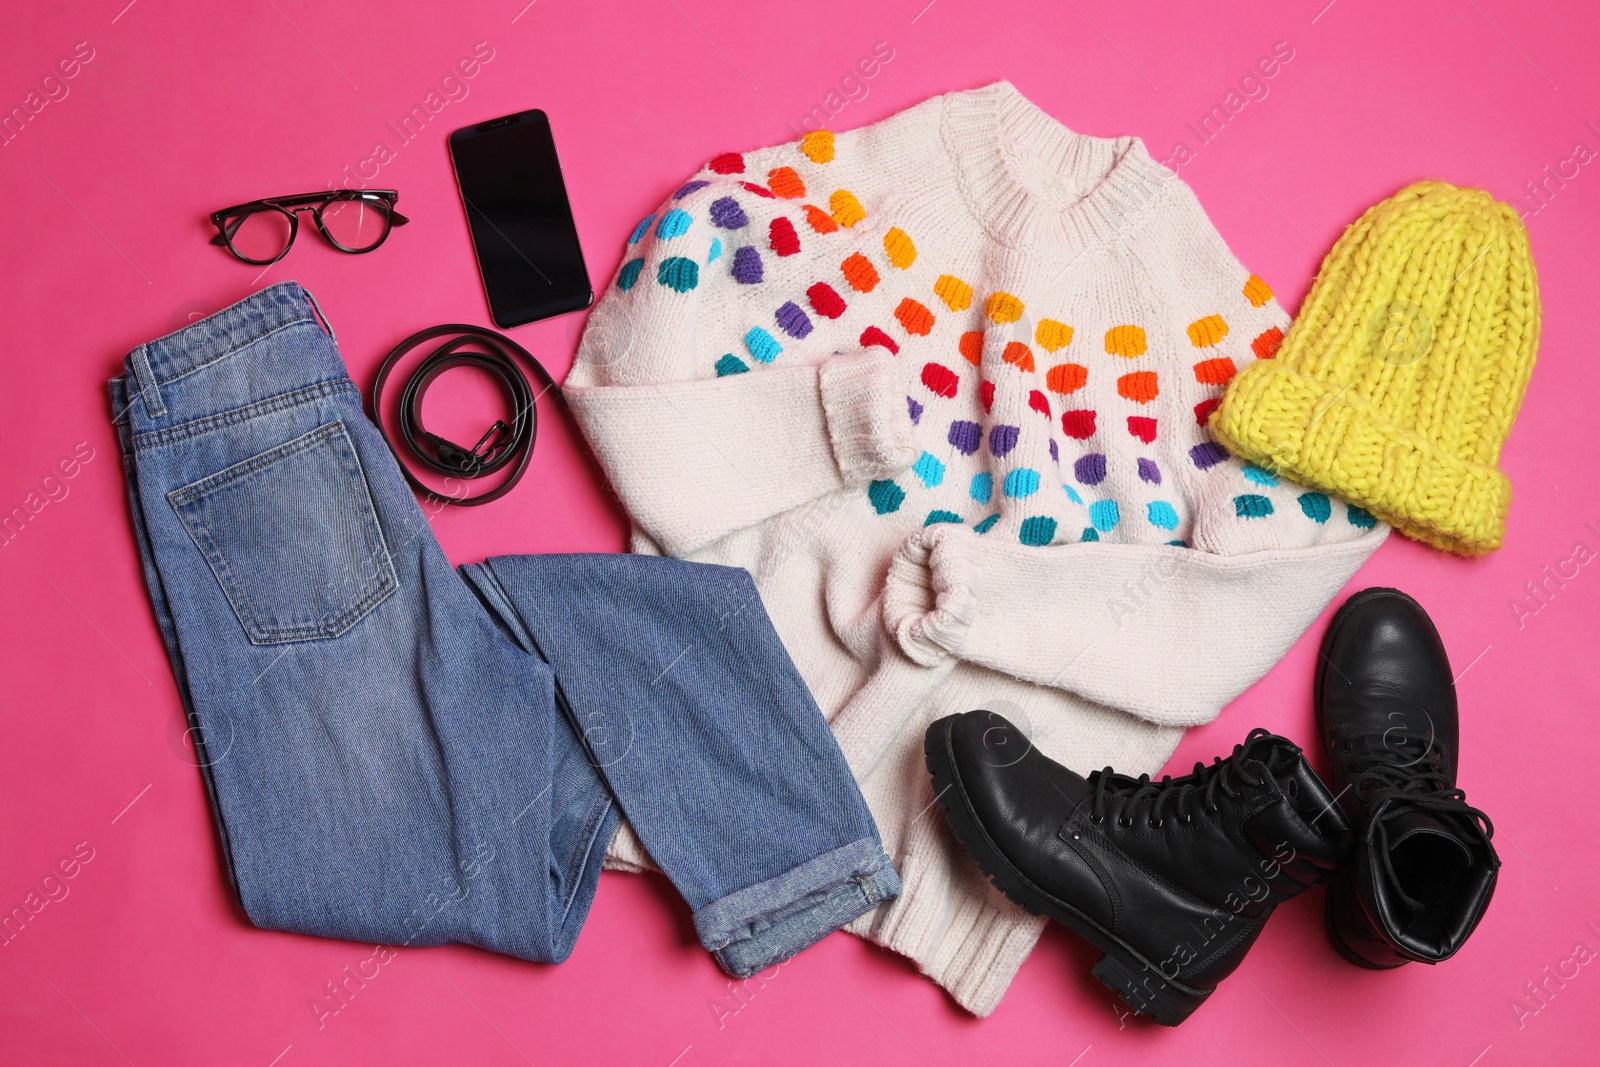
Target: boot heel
[{"x": 1147, "y": 990}]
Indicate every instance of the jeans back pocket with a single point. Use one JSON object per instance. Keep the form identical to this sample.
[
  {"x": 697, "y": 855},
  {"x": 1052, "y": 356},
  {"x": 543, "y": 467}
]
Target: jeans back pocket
[{"x": 293, "y": 538}]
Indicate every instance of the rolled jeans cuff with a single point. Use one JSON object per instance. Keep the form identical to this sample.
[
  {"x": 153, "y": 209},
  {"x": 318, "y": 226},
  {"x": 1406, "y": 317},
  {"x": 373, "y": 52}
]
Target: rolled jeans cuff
[{"x": 766, "y": 923}]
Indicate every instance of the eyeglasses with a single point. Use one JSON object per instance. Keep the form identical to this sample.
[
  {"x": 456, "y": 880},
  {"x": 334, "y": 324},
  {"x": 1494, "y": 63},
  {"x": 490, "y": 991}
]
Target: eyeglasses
[{"x": 351, "y": 220}]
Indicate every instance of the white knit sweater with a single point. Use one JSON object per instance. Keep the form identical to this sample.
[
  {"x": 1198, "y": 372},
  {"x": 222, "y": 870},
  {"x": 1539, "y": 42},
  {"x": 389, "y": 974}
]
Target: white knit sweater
[{"x": 940, "y": 384}]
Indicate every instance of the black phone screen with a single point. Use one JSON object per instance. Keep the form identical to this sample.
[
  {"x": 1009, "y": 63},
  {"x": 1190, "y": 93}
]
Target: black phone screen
[{"x": 522, "y": 226}]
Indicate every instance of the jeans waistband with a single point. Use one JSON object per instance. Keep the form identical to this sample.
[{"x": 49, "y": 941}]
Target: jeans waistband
[
  {"x": 162, "y": 388},
  {"x": 156, "y": 363}
]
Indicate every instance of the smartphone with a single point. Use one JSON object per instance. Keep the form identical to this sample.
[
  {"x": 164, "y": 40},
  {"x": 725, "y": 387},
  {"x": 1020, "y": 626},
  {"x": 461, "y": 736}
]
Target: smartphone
[{"x": 522, "y": 228}]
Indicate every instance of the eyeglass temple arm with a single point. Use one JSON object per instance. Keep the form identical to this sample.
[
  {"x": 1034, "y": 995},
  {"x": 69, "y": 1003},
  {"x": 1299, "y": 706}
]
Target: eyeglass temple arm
[{"x": 396, "y": 218}]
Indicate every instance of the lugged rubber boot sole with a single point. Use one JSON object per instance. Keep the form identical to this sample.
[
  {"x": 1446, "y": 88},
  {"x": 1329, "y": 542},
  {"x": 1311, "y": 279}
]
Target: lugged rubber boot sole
[{"x": 1140, "y": 983}]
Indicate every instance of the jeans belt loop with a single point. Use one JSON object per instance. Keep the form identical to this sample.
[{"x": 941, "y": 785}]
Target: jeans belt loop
[
  {"x": 321, "y": 318},
  {"x": 145, "y": 379}
]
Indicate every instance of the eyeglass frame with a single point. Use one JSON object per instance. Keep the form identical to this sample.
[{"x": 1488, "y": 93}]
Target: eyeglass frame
[{"x": 296, "y": 203}]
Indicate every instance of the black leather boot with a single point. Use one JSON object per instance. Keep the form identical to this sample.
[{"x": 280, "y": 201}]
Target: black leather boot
[
  {"x": 1386, "y": 706},
  {"x": 1173, "y": 879}
]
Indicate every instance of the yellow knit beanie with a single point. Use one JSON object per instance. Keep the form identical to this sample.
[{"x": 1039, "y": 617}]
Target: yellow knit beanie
[{"x": 1398, "y": 383}]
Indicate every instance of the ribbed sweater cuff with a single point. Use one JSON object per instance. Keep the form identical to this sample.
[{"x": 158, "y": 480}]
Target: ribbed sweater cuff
[
  {"x": 971, "y": 948},
  {"x": 867, "y": 418}
]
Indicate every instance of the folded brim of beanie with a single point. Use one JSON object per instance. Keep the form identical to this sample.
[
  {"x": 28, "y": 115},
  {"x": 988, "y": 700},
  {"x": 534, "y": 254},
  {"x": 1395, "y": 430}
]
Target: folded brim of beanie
[{"x": 1332, "y": 438}]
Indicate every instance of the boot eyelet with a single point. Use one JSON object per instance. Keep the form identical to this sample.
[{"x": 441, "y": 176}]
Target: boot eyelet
[
  {"x": 1098, "y": 820},
  {"x": 1157, "y": 824},
  {"x": 1125, "y": 823}
]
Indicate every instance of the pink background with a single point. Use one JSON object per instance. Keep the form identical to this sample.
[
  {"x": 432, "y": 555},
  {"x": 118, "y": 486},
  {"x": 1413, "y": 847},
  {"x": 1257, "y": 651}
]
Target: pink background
[{"x": 186, "y": 107}]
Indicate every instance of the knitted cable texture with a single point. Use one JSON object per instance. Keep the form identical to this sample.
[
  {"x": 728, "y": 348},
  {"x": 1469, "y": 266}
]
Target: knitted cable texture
[{"x": 1397, "y": 385}]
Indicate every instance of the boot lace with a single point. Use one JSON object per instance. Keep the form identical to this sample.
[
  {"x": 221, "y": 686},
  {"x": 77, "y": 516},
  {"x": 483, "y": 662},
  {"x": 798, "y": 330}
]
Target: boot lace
[
  {"x": 1395, "y": 770},
  {"x": 1224, "y": 776}
]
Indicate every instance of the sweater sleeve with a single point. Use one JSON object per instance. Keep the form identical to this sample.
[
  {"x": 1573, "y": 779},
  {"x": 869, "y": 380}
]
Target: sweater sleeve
[
  {"x": 1169, "y": 634},
  {"x": 702, "y": 427}
]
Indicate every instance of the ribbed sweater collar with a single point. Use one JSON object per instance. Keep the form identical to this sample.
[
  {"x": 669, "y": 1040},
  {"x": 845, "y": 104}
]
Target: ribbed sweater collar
[{"x": 1096, "y": 187}]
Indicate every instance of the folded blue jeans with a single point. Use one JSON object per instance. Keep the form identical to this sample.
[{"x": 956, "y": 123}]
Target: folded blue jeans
[{"x": 402, "y": 753}]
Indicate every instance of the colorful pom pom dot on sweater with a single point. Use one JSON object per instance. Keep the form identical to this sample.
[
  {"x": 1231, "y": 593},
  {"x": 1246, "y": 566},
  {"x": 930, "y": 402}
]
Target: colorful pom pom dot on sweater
[
  {"x": 1217, "y": 371},
  {"x": 1003, "y": 438},
  {"x": 1252, "y": 506},
  {"x": 641, "y": 229},
  {"x": 760, "y": 190},
  {"x": 1037, "y": 401},
  {"x": 886, "y": 496},
  {"x": 971, "y": 345},
  {"x": 1316, "y": 506},
  {"x": 965, "y": 437},
  {"x": 1179, "y": 544},
  {"x": 727, "y": 163},
  {"x": 1072, "y": 494},
  {"x": 1105, "y": 515},
  {"x": 897, "y": 245},
  {"x": 986, "y": 396},
  {"x": 1258, "y": 476},
  {"x": 1257, "y": 291},
  {"x": 1203, "y": 333},
  {"x": 1267, "y": 343},
  {"x": 689, "y": 187},
  {"x": 747, "y": 265},
  {"x": 1126, "y": 341},
  {"x": 1207, "y": 454},
  {"x": 679, "y": 273},
  {"x": 782, "y": 238},
  {"x": 1037, "y": 530},
  {"x": 1203, "y": 410},
  {"x": 874, "y": 336},
  {"x": 929, "y": 469},
  {"x": 845, "y": 208},
  {"x": 1161, "y": 515},
  {"x": 939, "y": 515},
  {"x": 916, "y": 318},
  {"x": 726, "y": 214},
  {"x": 628, "y": 277},
  {"x": 825, "y": 301},
  {"x": 818, "y": 146},
  {"x": 1090, "y": 469},
  {"x": 674, "y": 223},
  {"x": 1002, "y": 308},
  {"x": 860, "y": 273},
  {"x": 1148, "y": 471},
  {"x": 761, "y": 345},
  {"x": 987, "y": 524},
  {"x": 1361, "y": 517},
  {"x": 913, "y": 409},
  {"x": 1018, "y": 355},
  {"x": 1055, "y": 451},
  {"x": 716, "y": 250},
  {"x": 784, "y": 182},
  {"x": 1051, "y": 335},
  {"x": 1022, "y": 482},
  {"x": 1141, "y": 386},
  {"x": 956, "y": 294},
  {"x": 1142, "y": 427},
  {"x": 820, "y": 220},
  {"x": 1066, "y": 378},
  {"x": 982, "y": 487},
  {"x": 1078, "y": 424},
  {"x": 1089, "y": 534},
  {"x": 793, "y": 321},
  {"x": 731, "y": 364},
  {"x": 939, "y": 379}
]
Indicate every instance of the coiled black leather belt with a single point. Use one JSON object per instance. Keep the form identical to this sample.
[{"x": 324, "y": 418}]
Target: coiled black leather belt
[{"x": 501, "y": 446}]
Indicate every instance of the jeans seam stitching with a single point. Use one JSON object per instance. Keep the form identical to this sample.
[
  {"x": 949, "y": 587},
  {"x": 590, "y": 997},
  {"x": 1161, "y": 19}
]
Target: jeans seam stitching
[{"x": 268, "y": 406}]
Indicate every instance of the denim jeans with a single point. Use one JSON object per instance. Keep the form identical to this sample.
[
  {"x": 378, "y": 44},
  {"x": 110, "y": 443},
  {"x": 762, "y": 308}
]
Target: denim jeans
[{"x": 401, "y": 753}]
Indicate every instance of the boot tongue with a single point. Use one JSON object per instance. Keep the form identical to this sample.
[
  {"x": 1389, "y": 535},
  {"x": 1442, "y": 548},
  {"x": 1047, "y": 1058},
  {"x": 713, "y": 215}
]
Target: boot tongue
[{"x": 1413, "y": 822}]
